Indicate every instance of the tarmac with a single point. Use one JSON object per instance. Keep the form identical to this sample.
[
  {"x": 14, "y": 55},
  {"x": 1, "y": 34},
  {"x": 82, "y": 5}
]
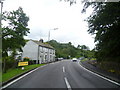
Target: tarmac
[
  {"x": 87, "y": 65},
  {"x": 100, "y": 71}
]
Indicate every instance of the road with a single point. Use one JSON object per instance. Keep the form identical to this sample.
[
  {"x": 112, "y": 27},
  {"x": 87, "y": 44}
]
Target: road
[{"x": 62, "y": 74}]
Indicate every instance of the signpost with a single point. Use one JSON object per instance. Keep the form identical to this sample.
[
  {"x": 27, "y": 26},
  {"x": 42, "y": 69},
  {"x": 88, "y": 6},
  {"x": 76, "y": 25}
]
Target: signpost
[{"x": 22, "y": 64}]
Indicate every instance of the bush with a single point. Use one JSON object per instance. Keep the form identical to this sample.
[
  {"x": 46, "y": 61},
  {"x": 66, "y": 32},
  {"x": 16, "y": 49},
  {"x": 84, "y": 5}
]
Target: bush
[
  {"x": 8, "y": 62},
  {"x": 110, "y": 66},
  {"x": 31, "y": 62},
  {"x": 26, "y": 59}
]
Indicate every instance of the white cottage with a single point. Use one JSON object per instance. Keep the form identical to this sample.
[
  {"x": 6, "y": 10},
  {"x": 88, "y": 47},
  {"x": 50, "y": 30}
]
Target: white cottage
[{"x": 38, "y": 51}]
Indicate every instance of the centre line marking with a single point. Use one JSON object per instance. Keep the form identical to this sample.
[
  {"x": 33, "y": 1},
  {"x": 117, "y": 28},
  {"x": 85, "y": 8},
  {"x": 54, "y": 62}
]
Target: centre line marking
[
  {"x": 63, "y": 69},
  {"x": 67, "y": 83}
]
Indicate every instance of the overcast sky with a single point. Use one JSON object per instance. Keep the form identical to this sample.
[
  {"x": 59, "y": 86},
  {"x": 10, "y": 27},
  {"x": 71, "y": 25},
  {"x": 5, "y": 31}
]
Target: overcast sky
[{"x": 46, "y": 15}]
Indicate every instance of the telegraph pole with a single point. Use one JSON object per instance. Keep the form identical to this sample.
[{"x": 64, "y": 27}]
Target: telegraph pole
[
  {"x": 1, "y": 14},
  {"x": 1, "y": 37}
]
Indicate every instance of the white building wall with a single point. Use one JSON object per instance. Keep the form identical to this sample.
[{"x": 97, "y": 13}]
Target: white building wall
[
  {"x": 30, "y": 50},
  {"x": 48, "y": 54},
  {"x": 53, "y": 55},
  {"x": 42, "y": 53},
  {"x": 45, "y": 54}
]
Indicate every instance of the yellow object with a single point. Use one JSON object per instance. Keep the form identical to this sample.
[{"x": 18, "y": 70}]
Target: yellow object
[{"x": 22, "y": 63}]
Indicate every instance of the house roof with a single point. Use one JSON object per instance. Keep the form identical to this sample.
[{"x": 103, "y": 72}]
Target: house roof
[{"x": 43, "y": 44}]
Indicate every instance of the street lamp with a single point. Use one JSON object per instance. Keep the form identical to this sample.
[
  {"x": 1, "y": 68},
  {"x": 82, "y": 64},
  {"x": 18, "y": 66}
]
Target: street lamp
[
  {"x": 48, "y": 41},
  {"x": 49, "y": 33}
]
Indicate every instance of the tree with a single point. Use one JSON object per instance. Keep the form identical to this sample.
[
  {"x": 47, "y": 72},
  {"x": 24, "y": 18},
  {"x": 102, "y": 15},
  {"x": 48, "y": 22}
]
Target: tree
[
  {"x": 79, "y": 47},
  {"x": 67, "y": 49},
  {"x": 13, "y": 33},
  {"x": 83, "y": 47},
  {"x": 70, "y": 1},
  {"x": 104, "y": 23}
]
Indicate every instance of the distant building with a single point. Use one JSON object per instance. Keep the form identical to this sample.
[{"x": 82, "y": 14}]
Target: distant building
[
  {"x": 17, "y": 55},
  {"x": 38, "y": 51}
]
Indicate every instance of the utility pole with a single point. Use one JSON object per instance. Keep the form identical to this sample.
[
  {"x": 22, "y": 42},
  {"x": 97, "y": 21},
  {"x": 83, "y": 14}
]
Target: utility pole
[
  {"x": 1, "y": 14},
  {"x": 1, "y": 37}
]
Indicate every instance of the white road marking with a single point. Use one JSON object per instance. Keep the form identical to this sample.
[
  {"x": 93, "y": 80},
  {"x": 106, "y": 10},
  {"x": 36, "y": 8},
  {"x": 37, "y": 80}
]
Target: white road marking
[
  {"x": 101, "y": 76},
  {"x": 63, "y": 69},
  {"x": 21, "y": 77},
  {"x": 67, "y": 83}
]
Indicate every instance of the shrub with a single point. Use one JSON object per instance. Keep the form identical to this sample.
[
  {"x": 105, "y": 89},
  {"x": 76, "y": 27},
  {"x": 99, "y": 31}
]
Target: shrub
[
  {"x": 31, "y": 62},
  {"x": 8, "y": 62},
  {"x": 26, "y": 59}
]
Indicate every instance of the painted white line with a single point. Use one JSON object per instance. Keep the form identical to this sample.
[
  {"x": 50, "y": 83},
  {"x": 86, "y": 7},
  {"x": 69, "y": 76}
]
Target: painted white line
[
  {"x": 101, "y": 76},
  {"x": 21, "y": 77},
  {"x": 63, "y": 69},
  {"x": 67, "y": 83}
]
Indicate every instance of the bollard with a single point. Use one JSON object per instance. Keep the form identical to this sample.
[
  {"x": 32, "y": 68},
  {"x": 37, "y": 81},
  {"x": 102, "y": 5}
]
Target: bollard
[{"x": 23, "y": 68}]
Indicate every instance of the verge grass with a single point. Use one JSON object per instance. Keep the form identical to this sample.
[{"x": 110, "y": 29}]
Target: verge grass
[
  {"x": 17, "y": 71},
  {"x": 93, "y": 59},
  {"x": 85, "y": 59}
]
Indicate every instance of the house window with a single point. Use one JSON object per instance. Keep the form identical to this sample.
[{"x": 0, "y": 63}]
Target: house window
[
  {"x": 51, "y": 51},
  {"x": 42, "y": 59},
  {"x": 41, "y": 49},
  {"x": 50, "y": 57},
  {"x": 44, "y": 49},
  {"x": 45, "y": 57}
]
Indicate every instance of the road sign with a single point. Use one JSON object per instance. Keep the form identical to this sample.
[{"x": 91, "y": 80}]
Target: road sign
[{"x": 22, "y": 63}]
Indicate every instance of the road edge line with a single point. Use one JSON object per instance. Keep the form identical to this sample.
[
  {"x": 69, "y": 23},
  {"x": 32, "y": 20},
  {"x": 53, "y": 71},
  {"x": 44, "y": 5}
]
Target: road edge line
[
  {"x": 105, "y": 78},
  {"x": 5, "y": 86}
]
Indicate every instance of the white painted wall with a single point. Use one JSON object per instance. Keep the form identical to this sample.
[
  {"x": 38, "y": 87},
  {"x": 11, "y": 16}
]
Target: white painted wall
[
  {"x": 30, "y": 50},
  {"x": 41, "y": 55}
]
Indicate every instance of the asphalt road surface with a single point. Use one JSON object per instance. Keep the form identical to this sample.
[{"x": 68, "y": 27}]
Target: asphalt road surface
[{"x": 62, "y": 74}]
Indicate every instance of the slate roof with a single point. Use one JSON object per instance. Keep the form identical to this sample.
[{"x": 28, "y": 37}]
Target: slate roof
[{"x": 43, "y": 44}]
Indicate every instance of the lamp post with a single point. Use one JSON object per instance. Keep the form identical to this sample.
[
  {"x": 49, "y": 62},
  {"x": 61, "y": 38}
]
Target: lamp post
[
  {"x": 48, "y": 41},
  {"x": 49, "y": 33}
]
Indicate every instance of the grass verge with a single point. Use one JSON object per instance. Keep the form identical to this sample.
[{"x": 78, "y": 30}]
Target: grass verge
[
  {"x": 93, "y": 59},
  {"x": 17, "y": 71},
  {"x": 85, "y": 59}
]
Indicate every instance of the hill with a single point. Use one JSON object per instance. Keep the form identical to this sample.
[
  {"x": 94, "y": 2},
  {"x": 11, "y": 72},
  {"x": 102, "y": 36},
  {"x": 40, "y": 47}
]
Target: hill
[{"x": 67, "y": 50}]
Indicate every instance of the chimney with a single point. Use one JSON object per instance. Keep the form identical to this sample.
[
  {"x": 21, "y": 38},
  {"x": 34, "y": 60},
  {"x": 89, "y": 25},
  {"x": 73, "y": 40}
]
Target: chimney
[{"x": 41, "y": 40}]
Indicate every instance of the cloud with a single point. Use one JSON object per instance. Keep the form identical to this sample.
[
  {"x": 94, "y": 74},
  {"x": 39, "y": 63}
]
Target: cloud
[{"x": 46, "y": 14}]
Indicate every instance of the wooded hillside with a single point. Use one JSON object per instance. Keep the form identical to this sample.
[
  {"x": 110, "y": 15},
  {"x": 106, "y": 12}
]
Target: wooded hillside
[{"x": 67, "y": 50}]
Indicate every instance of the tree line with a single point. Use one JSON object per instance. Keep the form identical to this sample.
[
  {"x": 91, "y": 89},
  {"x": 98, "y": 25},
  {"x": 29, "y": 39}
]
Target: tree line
[
  {"x": 105, "y": 24},
  {"x": 67, "y": 50}
]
